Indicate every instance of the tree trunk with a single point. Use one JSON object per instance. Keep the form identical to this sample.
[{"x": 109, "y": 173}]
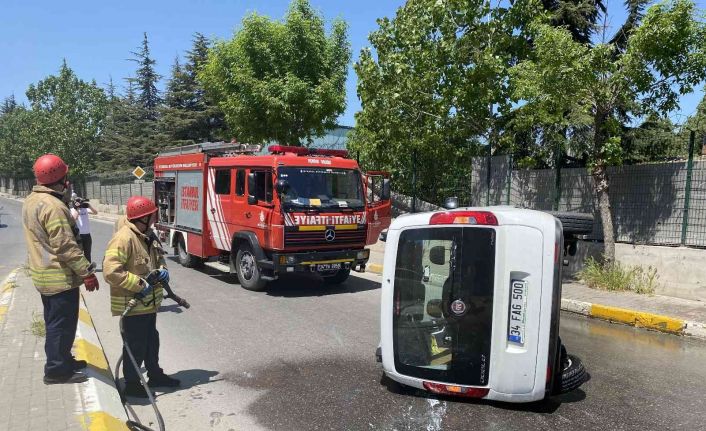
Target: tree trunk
[
  {"x": 601, "y": 188},
  {"x": 601, "y": 184}
]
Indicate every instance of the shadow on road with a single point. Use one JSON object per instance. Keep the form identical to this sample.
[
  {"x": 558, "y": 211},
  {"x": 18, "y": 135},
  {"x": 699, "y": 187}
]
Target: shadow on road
[
  {"x": 189, "y": 379},
  {"x": 296, "y": 285}
]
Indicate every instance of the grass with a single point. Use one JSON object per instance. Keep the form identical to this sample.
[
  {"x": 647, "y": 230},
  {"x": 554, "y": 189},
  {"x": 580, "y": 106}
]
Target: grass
[
  {"x": 37, "y": 326},
  {"x": 619, "y": 277}
]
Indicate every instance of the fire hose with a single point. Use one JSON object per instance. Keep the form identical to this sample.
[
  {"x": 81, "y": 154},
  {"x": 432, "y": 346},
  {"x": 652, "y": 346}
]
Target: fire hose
[{"x": 151, "y": 279}]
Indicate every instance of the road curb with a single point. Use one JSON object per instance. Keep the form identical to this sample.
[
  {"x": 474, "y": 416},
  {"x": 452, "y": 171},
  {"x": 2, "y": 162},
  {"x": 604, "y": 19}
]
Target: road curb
[
  {"x": 374, "y": 268},
  {"x": 6, "y": 289},
  {"x": 635, "y": 318},
  {"x": 102, "y": 408}
]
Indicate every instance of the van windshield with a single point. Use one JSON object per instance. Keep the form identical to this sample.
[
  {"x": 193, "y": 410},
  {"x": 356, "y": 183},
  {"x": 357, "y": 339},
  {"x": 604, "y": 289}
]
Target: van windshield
[
  {"x": 323, "y": 188},
  {"x": 443, "y": 304}
]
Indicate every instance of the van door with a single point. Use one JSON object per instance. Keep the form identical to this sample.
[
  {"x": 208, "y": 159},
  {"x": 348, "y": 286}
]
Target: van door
[
  {"x": 378, "y": 210},
  {"x": 219, "y": 206},
  {"x": 258, "y": 215}
]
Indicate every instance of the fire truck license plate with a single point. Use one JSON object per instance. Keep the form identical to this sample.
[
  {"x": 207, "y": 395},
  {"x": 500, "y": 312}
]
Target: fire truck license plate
[
  {"x": 323, "y": 267},
  {"x": 518, "y": 303}
]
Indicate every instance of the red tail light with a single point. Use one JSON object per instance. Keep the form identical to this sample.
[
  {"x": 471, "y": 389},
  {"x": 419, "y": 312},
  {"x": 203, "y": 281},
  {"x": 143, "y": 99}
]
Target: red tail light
[
  {"x": 465, "y": 217},
  {"x": 459, "y": 391},
  {"x": 281, "y": 149}
]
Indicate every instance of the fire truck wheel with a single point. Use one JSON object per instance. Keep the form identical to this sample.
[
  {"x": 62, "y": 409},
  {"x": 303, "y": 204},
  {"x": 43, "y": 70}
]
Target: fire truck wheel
[
  {"x": 185, "y": 259},
  {"x": 247, "y": 270},
  {"x": 337, "y": 278}
]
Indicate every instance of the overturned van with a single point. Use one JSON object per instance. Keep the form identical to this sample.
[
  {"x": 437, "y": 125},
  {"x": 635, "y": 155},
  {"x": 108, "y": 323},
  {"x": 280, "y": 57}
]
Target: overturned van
[{"x": 470, "y": 305}]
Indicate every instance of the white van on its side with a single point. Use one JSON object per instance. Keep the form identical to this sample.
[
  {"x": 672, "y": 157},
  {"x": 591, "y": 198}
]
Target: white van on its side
[{"x": 470, "y": 304}]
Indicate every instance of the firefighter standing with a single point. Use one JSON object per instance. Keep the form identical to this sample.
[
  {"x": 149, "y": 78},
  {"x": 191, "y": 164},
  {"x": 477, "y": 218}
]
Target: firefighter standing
[
  {"x": 131, "y": 255},
  {"x": 57, "y": 266}
]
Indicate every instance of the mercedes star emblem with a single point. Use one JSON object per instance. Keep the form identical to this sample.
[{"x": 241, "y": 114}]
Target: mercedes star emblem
[{"x": 330, "y": 235}]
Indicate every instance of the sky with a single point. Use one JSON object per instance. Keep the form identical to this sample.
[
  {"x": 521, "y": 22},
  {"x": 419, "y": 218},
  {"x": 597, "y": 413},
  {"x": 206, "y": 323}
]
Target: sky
[{"x": 96, "y": 37}]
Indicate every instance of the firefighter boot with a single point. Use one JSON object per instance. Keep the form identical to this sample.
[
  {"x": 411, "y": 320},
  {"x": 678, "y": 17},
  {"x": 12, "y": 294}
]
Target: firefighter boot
[
  {"x": 76, "y": 377},
  {"x": 163, "y": 380}
]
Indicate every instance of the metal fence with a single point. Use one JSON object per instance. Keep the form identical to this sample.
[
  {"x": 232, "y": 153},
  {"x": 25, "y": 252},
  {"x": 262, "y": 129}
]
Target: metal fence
[{"x": 660, "y": 203}]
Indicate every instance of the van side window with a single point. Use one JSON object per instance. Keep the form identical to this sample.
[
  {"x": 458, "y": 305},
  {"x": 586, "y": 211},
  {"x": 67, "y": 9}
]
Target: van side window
[
  {"x": 264, "y": 186},
  {"x": 223, "y": 181},
  {"x": 240, "y": 182}
]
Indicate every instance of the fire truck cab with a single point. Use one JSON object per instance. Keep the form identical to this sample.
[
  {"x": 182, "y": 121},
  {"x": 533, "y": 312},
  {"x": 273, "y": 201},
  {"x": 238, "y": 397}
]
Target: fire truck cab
[{"x": 258, "y": 216}]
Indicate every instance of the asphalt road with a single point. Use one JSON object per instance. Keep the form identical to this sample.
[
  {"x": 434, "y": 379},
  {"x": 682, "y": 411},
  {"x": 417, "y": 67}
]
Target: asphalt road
[{"x": 301, "y": 357}]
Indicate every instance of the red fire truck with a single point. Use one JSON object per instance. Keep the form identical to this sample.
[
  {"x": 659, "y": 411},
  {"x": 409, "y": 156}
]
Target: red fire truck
[{"x": 259, "y": 216}]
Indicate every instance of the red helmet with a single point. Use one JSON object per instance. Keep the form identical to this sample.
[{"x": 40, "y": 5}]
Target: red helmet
[
  {"x": 49, "y": 169},
  {"x": 140, "y": 206}
]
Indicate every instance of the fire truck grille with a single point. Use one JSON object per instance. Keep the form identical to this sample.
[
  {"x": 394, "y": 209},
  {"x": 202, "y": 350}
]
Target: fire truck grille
[{"x": 319, "y": 238}]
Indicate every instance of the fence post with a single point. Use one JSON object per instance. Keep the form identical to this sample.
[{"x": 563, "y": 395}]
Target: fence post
[
  {"x": 414, "y": 181},
  {"x": 509, "y": 179},
  {"x": 687, "y": 187},
  {"x": 557, "y": 177},
  {"x": 487, "y": 175}
]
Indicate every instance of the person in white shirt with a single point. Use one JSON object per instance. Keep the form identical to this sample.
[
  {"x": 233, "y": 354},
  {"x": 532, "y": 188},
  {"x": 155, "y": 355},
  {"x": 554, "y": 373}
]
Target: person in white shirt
[{"x": 79, "y": 211}]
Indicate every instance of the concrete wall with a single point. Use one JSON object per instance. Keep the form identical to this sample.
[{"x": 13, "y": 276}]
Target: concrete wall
[{"x": 681, "y": 270}]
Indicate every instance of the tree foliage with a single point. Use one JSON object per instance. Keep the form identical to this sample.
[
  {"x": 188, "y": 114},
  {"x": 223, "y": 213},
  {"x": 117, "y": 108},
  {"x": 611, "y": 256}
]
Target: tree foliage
[
  {"x": 280, "y": 81},
  {"x": 437, "y": 83},
  {"x": 642, "y": 71}
]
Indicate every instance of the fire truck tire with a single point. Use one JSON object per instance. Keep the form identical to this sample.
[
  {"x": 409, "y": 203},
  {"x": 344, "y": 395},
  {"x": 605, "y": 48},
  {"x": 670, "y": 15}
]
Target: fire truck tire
[
  {"x": 338, "y": 278},
  {"x": 185, "y": 259},
  {"x": 247, "y": 270}
]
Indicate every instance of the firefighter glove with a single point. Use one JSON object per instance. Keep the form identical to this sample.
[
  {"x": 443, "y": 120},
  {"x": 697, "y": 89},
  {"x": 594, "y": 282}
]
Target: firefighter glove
[
  {"x": 162, "y": 275},
  {"x": 146, "y": 289},
  {"x": 91, "y": 283}
]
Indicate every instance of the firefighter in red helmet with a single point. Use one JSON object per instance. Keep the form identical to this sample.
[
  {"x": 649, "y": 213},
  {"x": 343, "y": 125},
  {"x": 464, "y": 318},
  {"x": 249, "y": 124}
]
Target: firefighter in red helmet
[
  {"x": 132, "y": 254},
  {"x": 57, "y": 266}
]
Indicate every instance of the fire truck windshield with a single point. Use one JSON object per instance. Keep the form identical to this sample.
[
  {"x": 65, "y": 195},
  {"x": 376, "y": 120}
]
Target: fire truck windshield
[{"x": 326, "y": 188}]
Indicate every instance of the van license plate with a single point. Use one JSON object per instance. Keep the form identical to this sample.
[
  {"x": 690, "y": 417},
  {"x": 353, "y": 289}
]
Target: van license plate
[
  {"x": 518, "y": 304},
  {"x": 324, "y": 267}
]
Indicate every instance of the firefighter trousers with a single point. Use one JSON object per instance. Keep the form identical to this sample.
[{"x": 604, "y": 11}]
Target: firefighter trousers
[
  {"x": 141, "y": 335},
  {"x": 60, "y": 321}
]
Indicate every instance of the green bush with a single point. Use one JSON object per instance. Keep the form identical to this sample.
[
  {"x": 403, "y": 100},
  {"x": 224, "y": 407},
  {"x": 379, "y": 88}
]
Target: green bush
[{"x": 618, "y": 277}]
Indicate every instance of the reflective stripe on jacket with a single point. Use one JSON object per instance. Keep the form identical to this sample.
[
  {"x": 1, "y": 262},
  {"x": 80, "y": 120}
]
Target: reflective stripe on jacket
[
  {"x": 56, "y": 261},
  {"x": 130, "y": 256}
]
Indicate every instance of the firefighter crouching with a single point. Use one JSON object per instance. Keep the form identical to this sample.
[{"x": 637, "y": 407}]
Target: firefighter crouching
[
  {"x": 57, "y": 266},
  {"x": 131, "y": 254}
]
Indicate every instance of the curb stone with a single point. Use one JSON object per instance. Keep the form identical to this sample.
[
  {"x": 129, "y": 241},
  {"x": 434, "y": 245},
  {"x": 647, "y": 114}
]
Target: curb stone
[
  {"x": 6, "y": 289},
  {"x": 102, "y": 408}
]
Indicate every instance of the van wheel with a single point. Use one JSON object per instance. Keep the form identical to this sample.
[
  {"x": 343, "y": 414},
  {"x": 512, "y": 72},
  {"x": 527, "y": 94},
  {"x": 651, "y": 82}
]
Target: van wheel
[
  {"x": 573, "y": 374},
  {"x": 246, "y": 268},
  {"x": 185, "y": 259},
  {"x": 338, "y": 278}
]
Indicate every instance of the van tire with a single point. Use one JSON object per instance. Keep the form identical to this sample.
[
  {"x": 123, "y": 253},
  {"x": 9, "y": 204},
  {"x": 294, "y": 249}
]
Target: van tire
[
  {"x": 338, "y": 278},
  {"x": 573, "y": 374},
  {"x": 185, "y": 259},
  {"x": 575, "y": 223},
  {"x": 249, "y": 275}
]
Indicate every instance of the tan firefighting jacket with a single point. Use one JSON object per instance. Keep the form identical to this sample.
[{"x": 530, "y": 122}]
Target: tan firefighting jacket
[
  {"x": 131, "y": 255},
  {"x": 120, "y": 222},
  {"x": 56, "y": 261}
]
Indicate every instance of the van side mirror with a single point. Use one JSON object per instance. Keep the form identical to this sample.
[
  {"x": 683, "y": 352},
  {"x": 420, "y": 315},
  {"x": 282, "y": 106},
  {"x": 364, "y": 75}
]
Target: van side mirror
[
  {"x": 437, "y": 255},
  {"x": 252, "y": 186},
  {"x": 434, "y": 308},
  {"x": 385, "y": 194},
  {"x": 282, "y": 186},
  {"x": 451, "y": 203}
]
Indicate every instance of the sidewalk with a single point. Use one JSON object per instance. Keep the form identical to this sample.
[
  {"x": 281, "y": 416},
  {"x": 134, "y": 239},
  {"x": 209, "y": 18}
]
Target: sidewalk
[
  {"x": 26, "y": 403},
  {"x": 657, "y": 312}
]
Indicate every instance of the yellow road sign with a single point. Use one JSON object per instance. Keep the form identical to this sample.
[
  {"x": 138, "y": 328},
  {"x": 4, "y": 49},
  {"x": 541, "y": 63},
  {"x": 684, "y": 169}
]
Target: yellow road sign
[{"x": 139, "y": 172}]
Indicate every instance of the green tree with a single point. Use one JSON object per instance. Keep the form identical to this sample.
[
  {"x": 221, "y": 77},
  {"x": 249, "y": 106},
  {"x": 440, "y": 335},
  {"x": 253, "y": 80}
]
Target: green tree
[
  {"x": 653, "y": 60},
  {"x": 118, "y": 136},
  {"x": 17, "y": 125},
  {"x": 282, "y": 81},
  {"x": 68, "y": 114},
  {"x": 438, "y": 86},
  {"x": 145, "y": 80}
]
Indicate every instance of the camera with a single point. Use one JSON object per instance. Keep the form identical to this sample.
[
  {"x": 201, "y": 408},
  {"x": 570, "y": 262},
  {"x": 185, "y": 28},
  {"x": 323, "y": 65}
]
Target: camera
[{"x": 79, "y": 202}]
